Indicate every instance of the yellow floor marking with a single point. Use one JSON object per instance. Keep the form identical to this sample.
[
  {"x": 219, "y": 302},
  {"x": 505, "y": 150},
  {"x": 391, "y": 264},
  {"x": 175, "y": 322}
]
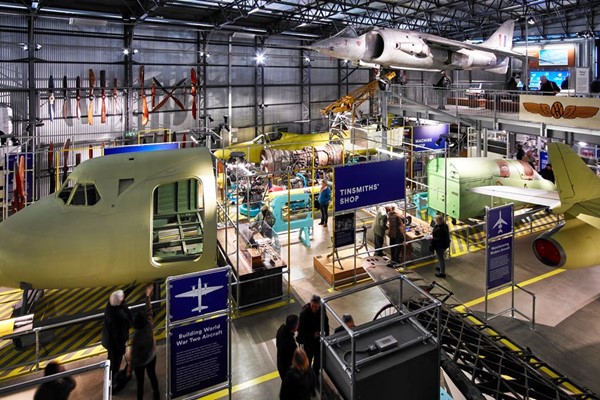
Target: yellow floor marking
[
  {"x": 267, "y": 308},
  {"x": 507, "y": 290},
  {"x": 242, "y": 386}
]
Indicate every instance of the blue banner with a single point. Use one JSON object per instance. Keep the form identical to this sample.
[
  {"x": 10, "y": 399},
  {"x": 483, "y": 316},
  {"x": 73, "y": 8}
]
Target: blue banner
[
  {"x": 543, "y": 159},
  {"x": 427, "y": 135},
  {"x": 362, "y": 185},
  {"x": 499, "y": 262},
  {"x": 195, "y": 294},
  {"x": 499, "y": 221},
  {"x": 139, "y": 148},
  {"x": 198, "y": 356}
]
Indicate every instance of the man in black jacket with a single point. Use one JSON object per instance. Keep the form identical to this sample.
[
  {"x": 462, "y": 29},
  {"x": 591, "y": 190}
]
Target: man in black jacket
[
  {"x": 440, "y": 243},
  {"x": 286, "y": 344},
  {"x": 309, "y": 331},
  {"x": 115, "y": 329},
  {"x": 58, "y": 389}
]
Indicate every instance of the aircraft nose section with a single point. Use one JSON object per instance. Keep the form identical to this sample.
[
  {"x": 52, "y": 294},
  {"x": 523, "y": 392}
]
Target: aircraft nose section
[{"x": 347, "y": 48}]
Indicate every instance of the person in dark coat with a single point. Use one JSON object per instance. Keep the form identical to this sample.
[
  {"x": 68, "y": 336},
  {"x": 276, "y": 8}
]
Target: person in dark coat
[
  {"x": 286, "y": 344},
  {"x": 396, "y": 232},
  {"x": 143, "y": 349},
  {"x": 348, "y": 320},
  {"x": 440, "y": 243},
  {"x": 115, "y": 329},
  {"x": 547, "y": 87},
  {"x": 520, "y": 151},
  {"x": 547, "y": 173},
  {"x": 300, "y": 381},
  {"x": 58, "y": 389},
  {"x": 309, "y": 331}
]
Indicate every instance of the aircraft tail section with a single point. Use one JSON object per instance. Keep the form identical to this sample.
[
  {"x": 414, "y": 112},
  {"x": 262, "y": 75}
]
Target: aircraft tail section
[
  {"x": 503, "y": 37},
  {"x": 575, "y": 181}
]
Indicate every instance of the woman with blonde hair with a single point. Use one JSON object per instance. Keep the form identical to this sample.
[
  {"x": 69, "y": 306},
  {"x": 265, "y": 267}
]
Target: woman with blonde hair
[{"x": 299, "y": 382}]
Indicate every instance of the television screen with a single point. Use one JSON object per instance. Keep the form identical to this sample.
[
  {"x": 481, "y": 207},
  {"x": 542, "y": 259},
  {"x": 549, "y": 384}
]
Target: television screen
[
  {"x": 557, "y": 76},
  {"x": 550, "y": 57}
]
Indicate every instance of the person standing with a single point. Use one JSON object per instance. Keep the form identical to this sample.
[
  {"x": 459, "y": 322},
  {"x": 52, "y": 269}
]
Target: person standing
[
  {"x": 395, "y": 233},
  {"x": 115, "y": 329},
  {"x": 300, "y": 381},
  {"x": 143, "y": 349},
  {"x": 286, "y": 344},
  {"x": 440, "y": 243},
  {"x": 520, "y": 152},
  {"x": 348, "y": 321},
  {"x": 59, "y": 389},
  {"x": 547, "y": 173},
  {"x": 442, "y": 86},
  {"x": 547, "y": 87},
  {"x": 379, "y": 227},
  {"x": 309, "y": 331},
  {"x": 324, "y": 200}
]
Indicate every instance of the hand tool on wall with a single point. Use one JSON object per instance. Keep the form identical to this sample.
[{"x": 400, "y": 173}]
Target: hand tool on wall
[
  {"x": 103, "y": 94},
  {"x": 194, "y": 92},
  {"x": 78, "y": 96},
  {"x": 92, "y": 78},
  {"x": 114, "y": 96},
  {"x": 153, "y": 93},
  {"x": 143, "y": 95},
  {"x": 65, "y": 98},
  {"x": 19, "y": 196},
  {"x": 169, "y": 94},
  {"x": 51, "y": 99},
  {"x": 90, "y": 152},
  {"x": 51, "y": 169},
  {"x": 65, "y": 168}
]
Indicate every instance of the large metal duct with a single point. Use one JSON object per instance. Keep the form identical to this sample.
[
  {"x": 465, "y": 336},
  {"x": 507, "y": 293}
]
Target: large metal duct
[{"x": 281, "y": 161}]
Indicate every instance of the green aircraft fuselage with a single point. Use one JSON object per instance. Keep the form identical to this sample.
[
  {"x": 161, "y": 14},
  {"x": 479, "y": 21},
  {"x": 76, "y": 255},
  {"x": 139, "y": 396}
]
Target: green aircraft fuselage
[{"x": 466, "y": 173}]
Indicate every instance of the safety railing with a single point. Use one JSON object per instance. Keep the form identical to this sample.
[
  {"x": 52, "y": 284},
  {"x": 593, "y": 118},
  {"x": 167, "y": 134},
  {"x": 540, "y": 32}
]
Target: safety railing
[
  {"x": 106, "y": 384},
  {"x": 37, "y": 331}
]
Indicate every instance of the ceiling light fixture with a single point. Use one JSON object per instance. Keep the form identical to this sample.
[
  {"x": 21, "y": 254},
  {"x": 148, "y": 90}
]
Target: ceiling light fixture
[
  {"x": 531, "y": 20},
  {"x": 260, "y": 58}
]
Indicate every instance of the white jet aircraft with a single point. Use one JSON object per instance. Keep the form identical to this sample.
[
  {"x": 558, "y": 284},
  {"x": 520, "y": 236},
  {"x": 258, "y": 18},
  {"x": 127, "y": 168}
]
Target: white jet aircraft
[
  {"x": 199, "y": 292},
  {"x": 404, "y": 49}
]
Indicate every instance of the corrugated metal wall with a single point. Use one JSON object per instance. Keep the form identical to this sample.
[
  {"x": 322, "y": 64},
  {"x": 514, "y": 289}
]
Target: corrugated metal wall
[{"x": 230, "y": 86}]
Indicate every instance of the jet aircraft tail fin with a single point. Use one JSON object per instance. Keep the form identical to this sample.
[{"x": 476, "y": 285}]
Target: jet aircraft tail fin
[
  {"x": 575, "y": 180},
  {"x": 503, "y": 37}
]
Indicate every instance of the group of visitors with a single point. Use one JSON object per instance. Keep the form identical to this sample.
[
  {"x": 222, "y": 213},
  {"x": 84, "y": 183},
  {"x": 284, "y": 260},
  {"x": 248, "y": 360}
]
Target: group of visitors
[
  {"x": 388, "y": 219},
  {"x": 298, "y": 359}
]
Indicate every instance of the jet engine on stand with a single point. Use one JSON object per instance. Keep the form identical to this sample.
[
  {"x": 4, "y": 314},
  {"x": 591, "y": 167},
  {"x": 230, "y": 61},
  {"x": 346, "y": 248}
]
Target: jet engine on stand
[{"x": 279, "y": 162}]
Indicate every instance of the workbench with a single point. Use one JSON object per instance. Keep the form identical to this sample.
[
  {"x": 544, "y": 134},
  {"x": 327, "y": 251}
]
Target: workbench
[{"x": 262, "y": 282}]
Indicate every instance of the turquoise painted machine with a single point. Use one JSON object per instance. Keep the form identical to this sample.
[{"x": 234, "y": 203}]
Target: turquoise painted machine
[{"x": 300, "y": 207}]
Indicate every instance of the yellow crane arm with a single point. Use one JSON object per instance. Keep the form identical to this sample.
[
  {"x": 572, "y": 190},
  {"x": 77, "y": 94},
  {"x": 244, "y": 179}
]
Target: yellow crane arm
[{"x": 353, "y": 100}]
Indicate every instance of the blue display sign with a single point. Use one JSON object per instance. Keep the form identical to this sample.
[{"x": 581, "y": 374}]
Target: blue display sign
[
  {"x": 543, "y": 159},
  {"x": 499, "y": 221},
  {"x": 499, "y": 262},
  {"x": 195, "y": 294},
  {"x": 198, "y": 356},
  {"x": 362, "y": 185},
  {"x": 140, "y": 148},
  {"x": 427, "y": 135}
]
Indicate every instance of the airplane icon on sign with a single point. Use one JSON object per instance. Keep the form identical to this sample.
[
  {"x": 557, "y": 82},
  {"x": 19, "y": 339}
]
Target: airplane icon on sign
[
  {"x": 500, "y": 223},
  {"x": 199, "y": 292}
]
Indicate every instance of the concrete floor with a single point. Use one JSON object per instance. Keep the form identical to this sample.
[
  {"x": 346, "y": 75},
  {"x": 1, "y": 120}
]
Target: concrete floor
[{"x": 567, "y": 315}]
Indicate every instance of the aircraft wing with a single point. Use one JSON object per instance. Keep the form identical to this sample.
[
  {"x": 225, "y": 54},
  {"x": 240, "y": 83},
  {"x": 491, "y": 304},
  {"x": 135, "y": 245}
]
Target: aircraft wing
[
  {"x": 455, "y": 45},
  {"x": 207, "y": 290},
  {"x": 191, "y": 293},
  {"x": 548, "y": 198}
]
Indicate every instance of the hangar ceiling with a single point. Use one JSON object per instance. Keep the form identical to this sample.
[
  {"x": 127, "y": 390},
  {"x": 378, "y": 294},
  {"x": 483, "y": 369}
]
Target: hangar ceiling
[{"x": 312, "y": 19}]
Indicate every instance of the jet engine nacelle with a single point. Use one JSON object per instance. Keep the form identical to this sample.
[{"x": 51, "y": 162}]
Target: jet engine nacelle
[
  {"x": 389, "y": 47},
  {"x": 572, "y": 245}
]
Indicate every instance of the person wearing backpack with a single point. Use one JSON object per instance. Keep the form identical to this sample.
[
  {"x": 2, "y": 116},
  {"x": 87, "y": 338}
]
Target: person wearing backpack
[{"x": 440, "y": 243}]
